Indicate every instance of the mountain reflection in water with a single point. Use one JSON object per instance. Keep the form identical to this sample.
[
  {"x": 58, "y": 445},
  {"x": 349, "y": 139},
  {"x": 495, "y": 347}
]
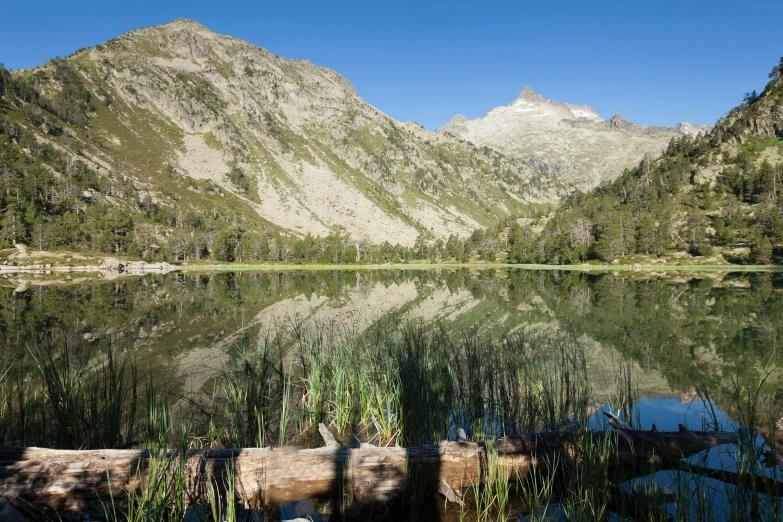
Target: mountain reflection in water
[{"x": 675, "y": 335}]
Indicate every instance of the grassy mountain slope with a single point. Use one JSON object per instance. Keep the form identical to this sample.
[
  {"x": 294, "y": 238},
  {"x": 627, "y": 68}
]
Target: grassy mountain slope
[
  {"x": 183, "y": 134},
  {"x": 713, "y": 194}
]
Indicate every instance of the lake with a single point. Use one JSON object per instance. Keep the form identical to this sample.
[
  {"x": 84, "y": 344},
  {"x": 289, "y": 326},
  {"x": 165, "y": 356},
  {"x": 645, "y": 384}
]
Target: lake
[
  {"x": 683, "y": 348},
  {"x": 679, "y": 332}
]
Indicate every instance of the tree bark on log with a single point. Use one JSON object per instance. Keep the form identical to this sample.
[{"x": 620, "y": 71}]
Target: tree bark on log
[{"x": 64, "y": 480}]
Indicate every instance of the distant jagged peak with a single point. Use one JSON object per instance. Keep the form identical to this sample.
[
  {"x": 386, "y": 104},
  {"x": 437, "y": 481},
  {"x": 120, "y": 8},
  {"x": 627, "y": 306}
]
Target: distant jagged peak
[
  {"x": 529, "y": 99},
  {"x": 528, "y": 94},
  {"x": 618, "y": 122},
  {"x": 458, "y": 119},
  {"x": 693, "y": 129},
  {"x": 586, "y": 148},
  {"x": 456, "y": 125}
]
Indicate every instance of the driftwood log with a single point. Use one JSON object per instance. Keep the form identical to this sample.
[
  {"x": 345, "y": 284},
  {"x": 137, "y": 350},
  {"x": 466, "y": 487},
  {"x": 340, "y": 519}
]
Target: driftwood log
[{"x": 63, "y": 480}]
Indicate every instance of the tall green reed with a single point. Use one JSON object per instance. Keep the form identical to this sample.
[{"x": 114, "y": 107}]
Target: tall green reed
[
  {"x": 391, "y": 384},
  {"x": 57, "y": 402}
]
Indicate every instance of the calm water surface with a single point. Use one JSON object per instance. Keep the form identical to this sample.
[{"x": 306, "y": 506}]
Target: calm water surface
[
  {"x": 681, "y": 337},
  {"x": 678, "y": 334}
]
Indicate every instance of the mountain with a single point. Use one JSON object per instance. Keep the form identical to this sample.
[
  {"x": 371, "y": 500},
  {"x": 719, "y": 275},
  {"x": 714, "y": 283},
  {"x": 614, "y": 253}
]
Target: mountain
[
  {"x": 177, "y": 140},
  {"x": 693, "y": 129},
  {"x": 718, "y": 196},
  {"x": 573, "y": 141}
]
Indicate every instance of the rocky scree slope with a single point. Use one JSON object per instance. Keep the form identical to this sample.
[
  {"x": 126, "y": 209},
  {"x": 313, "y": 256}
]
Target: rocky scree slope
[
  {"x": 204, "y": 122},
  {"x": 573, "y": 141}
]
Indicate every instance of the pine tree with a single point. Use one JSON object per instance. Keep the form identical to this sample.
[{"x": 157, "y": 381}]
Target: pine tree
[
  {"x": 648, "y": 239},
  {"x": 760, "y": 250}
]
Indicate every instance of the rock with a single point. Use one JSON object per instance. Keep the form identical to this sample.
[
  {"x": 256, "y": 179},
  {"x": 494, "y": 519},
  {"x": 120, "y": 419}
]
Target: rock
[
  {"x": 256, "y": 101},
  {"x": 693, "y": 129},
  {"x": 113, "y": 265},
  {"x": 9, "y": 513},
  {"x": 564, "y": 138}
]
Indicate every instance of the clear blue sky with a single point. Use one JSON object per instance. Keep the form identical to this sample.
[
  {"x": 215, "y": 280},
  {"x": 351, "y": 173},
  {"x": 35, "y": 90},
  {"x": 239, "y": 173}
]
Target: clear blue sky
[{"x": 655, "y": 62}]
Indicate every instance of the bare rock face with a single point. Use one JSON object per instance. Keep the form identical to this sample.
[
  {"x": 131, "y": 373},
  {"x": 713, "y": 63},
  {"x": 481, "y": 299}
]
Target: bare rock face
[
  {"x": 457, "y": 124},
  {"x": 761, "y": 119},
  {"x": 584, "y": 148},
  {"x": 693, "y": 129},
  {"x": 768, "y": 122}
]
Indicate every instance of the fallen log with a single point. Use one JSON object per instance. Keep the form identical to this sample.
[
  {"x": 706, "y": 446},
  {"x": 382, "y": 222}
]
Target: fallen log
[
  {"x": 64, "y": 480},
  {"x": 758, "y": 483}
]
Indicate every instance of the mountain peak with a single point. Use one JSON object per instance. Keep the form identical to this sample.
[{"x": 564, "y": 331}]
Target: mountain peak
[
  {"x": 575, "y": 138},
  {"x": 252, "y": 128},
  {"x": 458, "y": 118},
  {"x": 185, "y": 23},
  {"x": 528, "y": 94},
  {"x": 185, "y": 26},
  {"x": 456, "y": 124},
  {"x": 693, "y": 129}
]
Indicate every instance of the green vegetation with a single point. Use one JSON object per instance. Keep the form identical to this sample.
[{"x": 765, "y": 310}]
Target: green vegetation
[
  {"x": 393, "y": 384},
  {"x": 238, "y": 178},
  {"x": 498, "y": 352},
  {"x": 50, "y": 200},
  {"x": 53, "y": 200},
  {"x": 667, "y": 204},
  {"x": 407, "y": 385}
]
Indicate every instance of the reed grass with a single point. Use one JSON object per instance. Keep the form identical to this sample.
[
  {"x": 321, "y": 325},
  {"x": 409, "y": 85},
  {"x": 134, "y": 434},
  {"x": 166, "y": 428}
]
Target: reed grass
[{"x": 407, "y": 385}]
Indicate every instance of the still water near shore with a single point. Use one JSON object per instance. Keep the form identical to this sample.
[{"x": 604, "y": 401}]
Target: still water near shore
[
  {"x": 693, "y": 331},
  {"x": 678, "y": 347}
]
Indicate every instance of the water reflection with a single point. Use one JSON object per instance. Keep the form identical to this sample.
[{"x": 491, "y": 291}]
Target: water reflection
[
  {"x": 669, "y": 341},
  {"x": 710, "y": 330}
]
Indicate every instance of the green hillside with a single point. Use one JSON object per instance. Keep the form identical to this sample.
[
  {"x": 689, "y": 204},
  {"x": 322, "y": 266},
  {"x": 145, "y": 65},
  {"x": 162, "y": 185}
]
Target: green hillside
[
  {"x": 177, "y": 143},
  {"x": 716, "y": 196}
]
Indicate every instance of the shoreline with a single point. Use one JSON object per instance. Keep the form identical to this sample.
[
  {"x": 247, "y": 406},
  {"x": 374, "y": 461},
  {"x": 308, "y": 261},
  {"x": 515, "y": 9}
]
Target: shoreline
[
  {"x": 116, "y": 268},
  {"x": 246, "y": 267}
]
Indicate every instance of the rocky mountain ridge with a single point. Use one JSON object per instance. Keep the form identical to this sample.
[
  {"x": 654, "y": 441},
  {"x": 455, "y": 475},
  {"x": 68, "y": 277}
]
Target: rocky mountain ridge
[
  {"x": 583, "y": 146},
  {"x": 693, "y": 129},
  {"x": 204, "y": 122}
]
